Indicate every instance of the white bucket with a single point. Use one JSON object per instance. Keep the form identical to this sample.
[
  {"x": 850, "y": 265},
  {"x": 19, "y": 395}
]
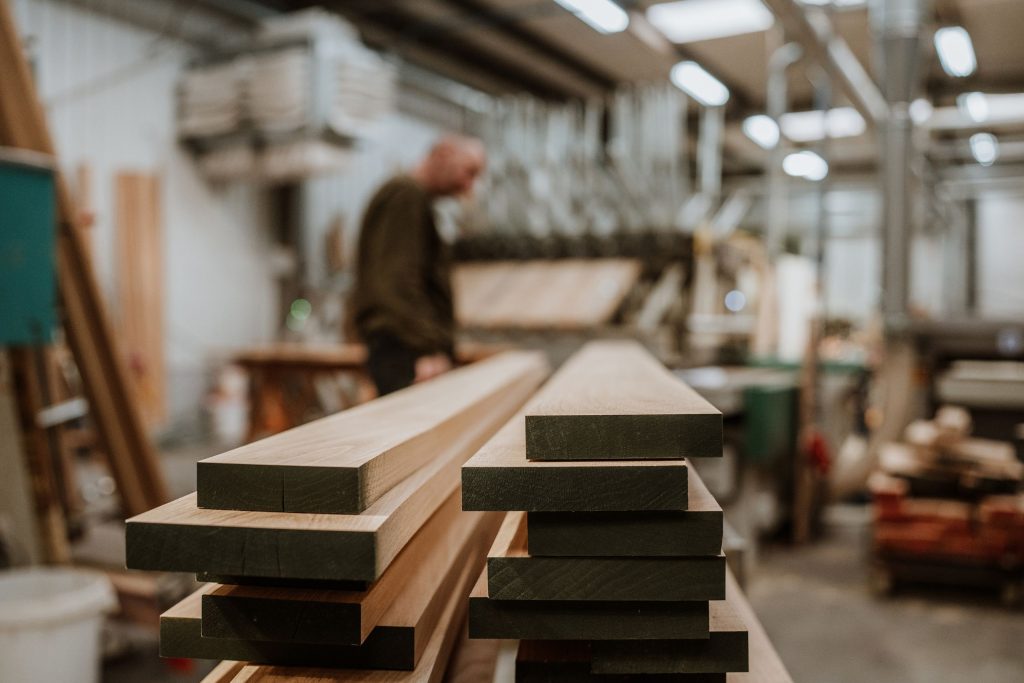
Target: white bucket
[{"x": 50, "y": 623}]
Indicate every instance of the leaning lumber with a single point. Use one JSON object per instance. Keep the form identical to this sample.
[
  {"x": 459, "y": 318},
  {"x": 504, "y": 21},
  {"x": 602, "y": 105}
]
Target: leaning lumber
[
  {"x": 344, "y": 463},
  {"x": 695, "y": 531},
  {"x": 514, "y": 575},
  {"x": 614, "y": 401},
  {"x": 346, "y": 617}
]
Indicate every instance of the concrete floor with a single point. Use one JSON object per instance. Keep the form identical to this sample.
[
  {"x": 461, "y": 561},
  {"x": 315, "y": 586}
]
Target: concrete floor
[{"x": 828, "y": 628}]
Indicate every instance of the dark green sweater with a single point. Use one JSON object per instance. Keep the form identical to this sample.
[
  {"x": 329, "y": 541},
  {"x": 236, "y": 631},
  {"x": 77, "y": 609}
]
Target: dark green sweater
[{"x": 403, "y": 273}]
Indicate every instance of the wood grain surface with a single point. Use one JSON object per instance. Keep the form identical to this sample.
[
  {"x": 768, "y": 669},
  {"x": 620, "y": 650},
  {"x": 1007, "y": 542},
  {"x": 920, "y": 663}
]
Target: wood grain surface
[
  {"x": 307, "y": 615},
  {"x": 514, "y": 575},
  {"x": 397, "y": 642},
  {"x": 571, "y": 620},
  {"x": 499, "y": 477},
  {"x": 697, "y": 531},
  {"x": 561, "y": 662},
  {"x": 724, "y": 651},
  {"x": 344, "y": 463},
  {"x": 180, "y": 536},
  {"x": 614, "y": 401},
  {"x": 430, "y": 669}
]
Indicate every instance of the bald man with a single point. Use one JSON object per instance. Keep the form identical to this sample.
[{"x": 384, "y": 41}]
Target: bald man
[{"x": 402, "y": 301}]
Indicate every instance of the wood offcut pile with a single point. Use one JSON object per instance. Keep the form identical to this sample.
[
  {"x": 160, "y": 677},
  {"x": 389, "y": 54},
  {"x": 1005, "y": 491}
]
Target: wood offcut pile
[
  {"x": 948, "y": 508},
  {"x": 340, "y": 543},
  {"x": 611, "y": 564}
]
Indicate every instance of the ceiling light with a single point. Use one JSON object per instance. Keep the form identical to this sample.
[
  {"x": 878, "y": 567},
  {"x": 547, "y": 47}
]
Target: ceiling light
[
  {"x": 985, "y": 148},
  {"x": 807, "y": 126},
  {"x": 687, "y": 21},
  {"x": 956, "y": 51},
  {"x": 692, "y": 79},
  {"x": 975, "y": 105},
  {"x": 921, "y": 110},
  {"x": 805, "y": 164},
  {"x": 762, "y": 130},
  {"x": 603, "y": 16}
]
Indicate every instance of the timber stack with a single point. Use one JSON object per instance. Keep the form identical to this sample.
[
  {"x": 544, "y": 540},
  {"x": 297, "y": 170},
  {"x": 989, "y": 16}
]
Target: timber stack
[
  {"x": 340, "y": 543},
  {"x": 611, "y": 563}
]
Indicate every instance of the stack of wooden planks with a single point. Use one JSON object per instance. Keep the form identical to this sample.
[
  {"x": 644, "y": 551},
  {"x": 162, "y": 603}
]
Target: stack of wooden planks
[
  {"x": 340, "y": 543},
  {"x": 611, "y": 564}
]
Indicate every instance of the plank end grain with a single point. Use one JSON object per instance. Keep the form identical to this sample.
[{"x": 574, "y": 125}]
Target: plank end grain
[
  {"x": 279, "y": 488},
  {"x": 614, "y": 401}
]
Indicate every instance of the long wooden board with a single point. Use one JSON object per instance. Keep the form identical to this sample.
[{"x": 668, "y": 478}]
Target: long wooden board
[
  {"x": 132, "y": 458},
  {"x": 499, "y": 477},
  {"x": 614, "y": 401},
  {"x": 306, "y": 615},
  {"x": 697, "y": 531},
  {"x": 430, "y": 669},
  {"x": 397, "y": 642},
  {"x": 572, "y": 620},
  {"x": 561, "y": 662},
  {"x": 180, "y": 536},
  {"x": 512, "y": 574},
  {"x": 343, "y": 463},
  {"x": 724, "y": 651}
]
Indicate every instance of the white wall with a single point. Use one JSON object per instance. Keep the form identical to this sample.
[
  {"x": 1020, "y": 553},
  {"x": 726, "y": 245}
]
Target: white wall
[
  {"x": 109, "y": 90},
  {"x": 1001, "y": 255}
]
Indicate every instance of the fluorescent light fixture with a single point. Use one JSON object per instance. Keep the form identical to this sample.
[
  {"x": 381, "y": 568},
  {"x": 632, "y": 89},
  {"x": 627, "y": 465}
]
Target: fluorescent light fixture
[
  {"x": 692, "y": 79},
  {"x": 807, "y": 126},
  {"x": 604, "y": 16},
  {"x": 687, "y": 21},
  {"x": 762, "y": 130},
  {"x": 921, "y": 110},
  {"x": 956, "y": 51},
  {"x": 985, "y": 148},
  {"x": 805, "y": 164},
  {"x": 975, "y": 105}
]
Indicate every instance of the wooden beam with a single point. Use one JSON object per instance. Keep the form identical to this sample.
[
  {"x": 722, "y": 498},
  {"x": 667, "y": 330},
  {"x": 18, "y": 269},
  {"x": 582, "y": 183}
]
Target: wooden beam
[
  {"x": 499, "y": 477},
  {"x": 431, "y": 667},
  {"x": 131, "y": 455},
  {"x": 345, "y": 617},
  {"x": 396, "y": 642},
  {"x": 542, "y": 661},
  {"x": 181, "y": 536},
  {"x": 342, "y": 464},
  {"x": 615, "y": 401},
  {"x": 512, "y": 574},
  {"x": 579, "y": 620},
  {"x": 697, "y": 531}
]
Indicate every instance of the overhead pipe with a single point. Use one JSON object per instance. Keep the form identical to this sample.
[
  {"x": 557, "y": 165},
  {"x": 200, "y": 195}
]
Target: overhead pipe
[
  {"x": 777, "y": 104},
  {"x": 814, "y": 31},
  {"x": 896, "y": 27}
]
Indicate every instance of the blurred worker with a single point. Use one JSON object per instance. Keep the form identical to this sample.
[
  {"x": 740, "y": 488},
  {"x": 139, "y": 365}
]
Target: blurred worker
[{"x": 402, "y": 302}]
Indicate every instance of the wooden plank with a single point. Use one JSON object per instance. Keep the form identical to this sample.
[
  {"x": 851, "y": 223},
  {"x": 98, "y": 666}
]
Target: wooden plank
[
  {"x": 697, "y": 531},
  {"x": 397, "y": 642},
  {"x": 724, "y": 651},
  {"x": 499, "y": 477},
  {"x": 306, "y": 615},
  {"x": 614, "y": 401},
  {"x": 561, "y": 662},
  {"x": 132, "y": 458},
  {"x": 431, "y": 667},
  {"x": 343, "y": 463},
  {"x": 514, "y": 575},
  {"x": 572, "y": 620},
  {"x": 140, "y": 289},
  {"x": 182, "y": 537}
]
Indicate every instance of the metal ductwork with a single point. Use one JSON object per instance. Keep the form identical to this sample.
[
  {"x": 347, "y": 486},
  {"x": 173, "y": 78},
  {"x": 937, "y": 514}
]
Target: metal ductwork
[{"x": 896, "y": 28}]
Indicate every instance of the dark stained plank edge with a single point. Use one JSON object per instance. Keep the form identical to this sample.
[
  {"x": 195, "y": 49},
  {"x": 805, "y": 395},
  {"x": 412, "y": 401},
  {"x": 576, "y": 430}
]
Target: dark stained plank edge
[{"x": 623, "y": 437}]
